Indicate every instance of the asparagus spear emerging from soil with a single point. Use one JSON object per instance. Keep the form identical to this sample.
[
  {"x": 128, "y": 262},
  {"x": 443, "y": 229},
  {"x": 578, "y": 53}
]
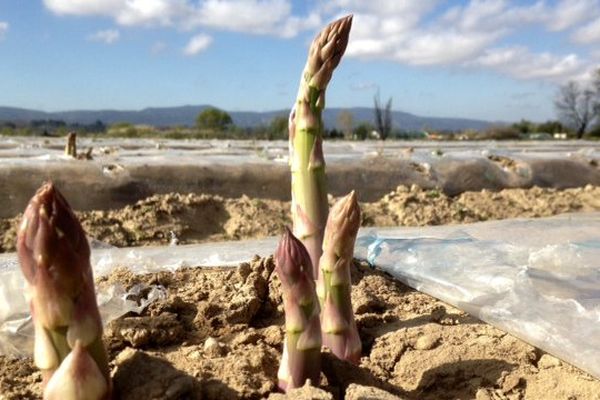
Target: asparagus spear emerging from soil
[
  {"x": 340, "y": 334},
  {"x": 71, "y": 147},
  {"x": 55, "y": 259},
  {"x": 309, "y": 191},
  {"x": 301, "y": 358}
]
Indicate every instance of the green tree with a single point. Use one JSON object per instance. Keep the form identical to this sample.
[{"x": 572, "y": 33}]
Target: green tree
[
  {"x": 213, "y": 119},
  {"x": 524, "y": 126},
  {"x": 361, "y": 132},
  {"x": 551, "y": 127}
]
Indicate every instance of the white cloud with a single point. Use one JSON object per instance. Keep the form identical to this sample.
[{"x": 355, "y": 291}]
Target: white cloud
[
  {"x": 239, "y": 15},
  {"x": 589, "y": 33},
  {"x": 424, "y": 32},
  {"x": 272, "y": 17},
  {"x": 520, "y": 63},
  {"x": 471, "y": 35},
  {"x": 197, "y": 44},
  {"x": 3, "y": 29},
  {"x": 108, "y": 36},
  {"x": 383, "y": 7},
  {"x": 443, "y": 47},
  {"x": 124, "y": 12},
  {"x": 569, "y": 13},
  {"x": 84, "y": 7}
]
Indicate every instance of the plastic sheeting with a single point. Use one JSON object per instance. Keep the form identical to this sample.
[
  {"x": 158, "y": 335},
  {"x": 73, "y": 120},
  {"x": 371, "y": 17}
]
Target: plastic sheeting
[
  {"x": 16, "y": 330},
  {"x": 124, "y": 171},
  {"x": 127, "y": 152},
  {"x": 538, "y": 279}
]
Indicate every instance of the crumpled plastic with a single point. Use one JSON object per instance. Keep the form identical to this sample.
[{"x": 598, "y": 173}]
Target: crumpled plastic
[
  {"x": 16, "y": 329},
  {"x": 538, "y": 279}
]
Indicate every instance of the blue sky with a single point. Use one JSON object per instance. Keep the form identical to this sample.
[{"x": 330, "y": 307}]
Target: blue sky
[{"x": 488, "y": 59}]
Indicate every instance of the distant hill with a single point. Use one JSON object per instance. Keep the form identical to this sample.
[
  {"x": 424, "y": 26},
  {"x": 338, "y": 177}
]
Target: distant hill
[{"x": 186, "y": 115}]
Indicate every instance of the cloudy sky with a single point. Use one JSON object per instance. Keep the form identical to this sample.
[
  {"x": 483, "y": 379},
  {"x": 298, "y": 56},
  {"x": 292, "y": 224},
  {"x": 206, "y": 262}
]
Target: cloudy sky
[{"x": 488, "y": 59}]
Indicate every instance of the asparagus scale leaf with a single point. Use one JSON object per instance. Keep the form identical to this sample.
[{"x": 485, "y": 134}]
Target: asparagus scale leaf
[
  {"x": 340, "y": 334},
  {"x": 55, "y": 259},
  {"x": 309, "y": 186},
  {"x": 301, "y": 358}
]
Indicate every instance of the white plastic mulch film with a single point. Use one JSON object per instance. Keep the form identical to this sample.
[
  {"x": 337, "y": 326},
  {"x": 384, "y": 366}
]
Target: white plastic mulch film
[
  {"x": 538, "y": 279},
  {"x": 16, "y": 329}
]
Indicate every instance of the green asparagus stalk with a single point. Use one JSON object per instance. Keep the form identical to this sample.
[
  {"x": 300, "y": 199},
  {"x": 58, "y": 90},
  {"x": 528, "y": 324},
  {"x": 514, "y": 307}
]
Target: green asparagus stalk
[
  {"x": 309, "y": 186},
  {"x": 55, "y": 259},
  {"x": 340, "y": 334},
  {"x": 301, "y": 358}
]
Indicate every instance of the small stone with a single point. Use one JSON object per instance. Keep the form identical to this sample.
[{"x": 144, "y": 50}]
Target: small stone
[
  {"x": 125, "y": 355},
  {"x": 244, "y": 270},
  {"x": 483, "y": 394},
  {"x": 548, "y": 361},
  {"x": 195, "y": 355},
  {"x": 359, "y": 392},
  {"x": 426, "y": 342},
  {"x": 511, "y": 382},
  {"x": 213, "y": 348}
]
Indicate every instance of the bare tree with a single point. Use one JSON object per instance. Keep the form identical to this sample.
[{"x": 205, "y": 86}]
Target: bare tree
[
  {"x": 345, "y": 121},
  {"x": 596, "y": 88},
  {"x": 383, "y": 117},
  {"x": 576, "y": 105}
]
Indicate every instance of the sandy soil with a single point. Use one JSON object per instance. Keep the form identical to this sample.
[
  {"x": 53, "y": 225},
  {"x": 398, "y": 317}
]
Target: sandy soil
[
  {"x": 218, "y": 333},
  {"x": 192, "y": 218}
]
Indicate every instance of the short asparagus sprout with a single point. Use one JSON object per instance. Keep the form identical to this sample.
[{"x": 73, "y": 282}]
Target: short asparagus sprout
[
  {"x": 71, "y": 146},
  {"x": 301, "y": 358},
  {"x": 55, "y": 259},
  {"x": 309, "y": 186},
  {"x": 340, "y": 334}
]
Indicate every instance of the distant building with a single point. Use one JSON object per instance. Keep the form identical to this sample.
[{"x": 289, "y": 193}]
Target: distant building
[{"x": 560, "y": 135}]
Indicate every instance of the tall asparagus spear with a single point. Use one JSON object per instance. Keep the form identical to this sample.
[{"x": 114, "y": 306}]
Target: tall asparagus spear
[
  {"x": 340, "y": 334},
  {"x": 55, "y": 258},
  {"x": 309, "y": 191},
  {"x": 301, "y": 358}
]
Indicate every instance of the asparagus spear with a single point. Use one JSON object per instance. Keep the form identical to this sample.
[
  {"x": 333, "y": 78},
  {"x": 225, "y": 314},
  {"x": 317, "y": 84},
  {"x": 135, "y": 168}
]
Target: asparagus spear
[
  {"x": 301, "y": 358},
  {"x": 55, "y": 259},
  {"x": 71, "y": 147},
  {"x": 309, "y": 191},
  {"x": 340, "y": 334},
  {"x": 77, "y": 378}
]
